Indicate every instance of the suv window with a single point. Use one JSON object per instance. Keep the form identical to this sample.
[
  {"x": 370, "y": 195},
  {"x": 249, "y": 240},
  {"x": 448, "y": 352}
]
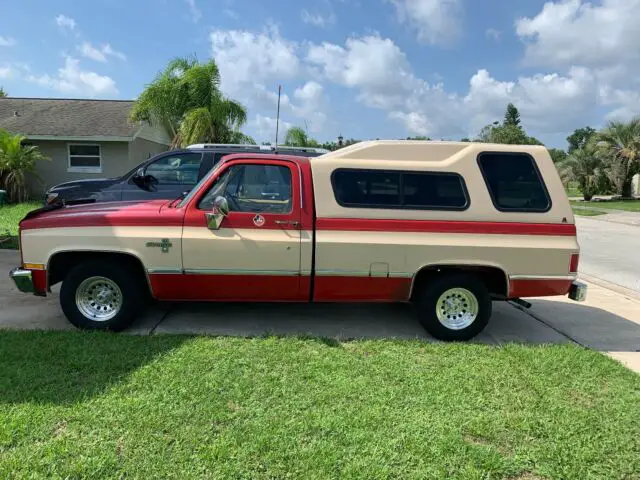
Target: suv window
[
  {"x": 252, "y": 188},
  {"x": 359, "y": 188},
  {"x": 514, "y": 182},
  {"x": 178, "y": 169}
]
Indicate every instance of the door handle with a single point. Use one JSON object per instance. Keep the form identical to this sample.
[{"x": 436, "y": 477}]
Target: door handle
[{"x": 287, "y": 222}]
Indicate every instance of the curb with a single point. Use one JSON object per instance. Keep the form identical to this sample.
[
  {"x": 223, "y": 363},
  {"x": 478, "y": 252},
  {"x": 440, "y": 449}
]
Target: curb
[{"x": 614, "y": 287}]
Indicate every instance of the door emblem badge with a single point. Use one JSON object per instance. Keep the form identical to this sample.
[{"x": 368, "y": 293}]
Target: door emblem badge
[
  {"x": 163, "y": 244},
  {"x": 258, "y": 220}
]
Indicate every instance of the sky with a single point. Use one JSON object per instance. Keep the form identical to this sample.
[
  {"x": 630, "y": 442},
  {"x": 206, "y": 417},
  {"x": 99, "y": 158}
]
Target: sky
[{"x": 358, "y": 68}]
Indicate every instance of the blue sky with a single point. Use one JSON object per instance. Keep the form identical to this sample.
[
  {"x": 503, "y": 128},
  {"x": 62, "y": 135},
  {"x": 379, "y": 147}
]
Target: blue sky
[{"x": 360, "y": 68}]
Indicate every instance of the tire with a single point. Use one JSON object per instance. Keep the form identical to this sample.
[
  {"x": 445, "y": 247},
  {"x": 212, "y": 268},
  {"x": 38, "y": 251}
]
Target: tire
[
  {"x": 97, "y": 295},
  {"x": 446, "y": 307}
]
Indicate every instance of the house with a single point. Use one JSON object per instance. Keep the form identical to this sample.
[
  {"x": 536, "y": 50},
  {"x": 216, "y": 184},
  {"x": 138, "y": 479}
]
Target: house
[{"x": 83, "y": 138}]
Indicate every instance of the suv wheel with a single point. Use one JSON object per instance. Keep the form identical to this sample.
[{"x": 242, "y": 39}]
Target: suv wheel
[
  {"x": 101, "y": 296},
  {"x": 455, "y": 307}
]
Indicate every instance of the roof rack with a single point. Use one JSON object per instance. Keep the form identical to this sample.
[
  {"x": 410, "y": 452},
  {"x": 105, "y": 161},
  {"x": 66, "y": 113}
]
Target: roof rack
[{"x": 244, "y": 147}]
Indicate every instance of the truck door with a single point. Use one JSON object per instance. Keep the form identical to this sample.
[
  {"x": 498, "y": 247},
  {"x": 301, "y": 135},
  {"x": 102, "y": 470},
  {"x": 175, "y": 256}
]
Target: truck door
[{"x": 254, "y": 253}]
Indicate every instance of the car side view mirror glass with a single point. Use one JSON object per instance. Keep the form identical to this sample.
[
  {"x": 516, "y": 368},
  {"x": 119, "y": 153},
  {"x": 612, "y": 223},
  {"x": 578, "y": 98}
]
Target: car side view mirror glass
[
  {"x": 216, "y": 216},
  {"x": 144, "y": 181}
]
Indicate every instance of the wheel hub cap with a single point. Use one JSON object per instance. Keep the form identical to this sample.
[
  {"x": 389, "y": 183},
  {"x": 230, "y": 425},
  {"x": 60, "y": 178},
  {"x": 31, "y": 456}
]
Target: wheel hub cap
[
  {"x": 457, "y": 308},
  {"x": 99, "y": 298}
]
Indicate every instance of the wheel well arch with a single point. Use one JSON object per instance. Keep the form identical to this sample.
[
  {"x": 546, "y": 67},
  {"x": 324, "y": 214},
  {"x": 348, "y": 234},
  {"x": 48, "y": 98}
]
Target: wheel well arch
[
  {"x": 62, "y": 262},
  {"x": 494, "y": 277}
]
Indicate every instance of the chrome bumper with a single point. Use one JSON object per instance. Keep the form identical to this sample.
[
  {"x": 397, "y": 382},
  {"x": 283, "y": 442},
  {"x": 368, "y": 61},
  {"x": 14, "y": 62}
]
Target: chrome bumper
[
  {"x": 578, "y": 291},
  {"x": 23, "y": 280}
]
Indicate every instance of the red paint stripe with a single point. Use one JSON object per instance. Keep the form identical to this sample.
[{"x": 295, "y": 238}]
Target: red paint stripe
[
  {"x": 361, "y": 289},
  {"x": 538, "y": 288},
  {"x": 440, "y": 226},
  {"x": 229, "y": 288},
  {"x": 90, "y": 220},
  {"x": 39, "y": 278}
]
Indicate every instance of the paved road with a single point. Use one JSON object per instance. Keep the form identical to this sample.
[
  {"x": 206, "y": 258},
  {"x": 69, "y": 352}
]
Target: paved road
[{"x": 610, "y": 251}]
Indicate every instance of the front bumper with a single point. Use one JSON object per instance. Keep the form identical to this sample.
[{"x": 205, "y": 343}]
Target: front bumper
[
  {"x": 578, "y": 291},
  {"x": 23, "y": 280}
]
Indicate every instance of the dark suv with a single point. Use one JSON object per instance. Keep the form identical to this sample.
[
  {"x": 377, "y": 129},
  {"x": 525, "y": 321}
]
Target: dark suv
[{"x": 167, "y": 175}]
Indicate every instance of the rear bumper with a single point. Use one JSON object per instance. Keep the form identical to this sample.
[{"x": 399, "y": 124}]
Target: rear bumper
[
  {"x": 578, "y": 291},
  {"x": 23, "y": 280}
]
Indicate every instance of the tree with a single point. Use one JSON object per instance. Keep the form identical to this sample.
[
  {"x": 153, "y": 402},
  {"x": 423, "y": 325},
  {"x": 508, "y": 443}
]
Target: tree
[
  {"x": 557, "y": 155},
  {"x": 298, "y": 137},
  {"x": 579, "y": 138},
  {"x": 3, "y": 93},
  {"x": 509, "y": 132},
  {"x": 16, "y": 162},
  {"x": 185, "y": 99},
  {"x": 419, "y": 137},
  {"x": 619, "y": 145},
  {"x": 584, "y": 166},
  {"x": 511, "y": 116}
]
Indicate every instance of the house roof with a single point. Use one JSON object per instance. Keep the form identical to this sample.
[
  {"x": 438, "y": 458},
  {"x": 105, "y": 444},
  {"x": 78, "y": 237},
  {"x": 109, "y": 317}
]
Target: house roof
[{"x": 67, "y": 117}]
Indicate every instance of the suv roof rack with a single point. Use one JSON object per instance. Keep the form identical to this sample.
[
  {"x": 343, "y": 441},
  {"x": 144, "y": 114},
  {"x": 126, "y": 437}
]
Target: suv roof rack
[{"x": 243, "y": 147}]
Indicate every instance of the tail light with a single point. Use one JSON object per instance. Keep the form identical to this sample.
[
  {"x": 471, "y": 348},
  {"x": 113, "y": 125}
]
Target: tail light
[{"x": 573, "y": 263}]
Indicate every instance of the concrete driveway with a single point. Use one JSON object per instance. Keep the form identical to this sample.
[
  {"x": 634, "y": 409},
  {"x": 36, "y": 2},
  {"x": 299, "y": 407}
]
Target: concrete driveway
[{"x": 608, "y": 321}]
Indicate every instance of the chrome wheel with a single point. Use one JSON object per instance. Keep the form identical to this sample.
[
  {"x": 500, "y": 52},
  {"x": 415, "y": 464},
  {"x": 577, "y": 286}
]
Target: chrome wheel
[
  {"x": 99, "y": 298},
  {"x": 457, "y": 308}
]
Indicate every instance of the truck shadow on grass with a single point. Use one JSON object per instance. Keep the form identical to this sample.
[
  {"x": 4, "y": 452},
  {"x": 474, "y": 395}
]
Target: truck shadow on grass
[{"x": 64, "y": 367}]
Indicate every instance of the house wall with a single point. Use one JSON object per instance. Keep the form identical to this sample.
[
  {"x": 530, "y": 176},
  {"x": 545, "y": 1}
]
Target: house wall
[
  {"x": 141, "y": 149},
  {"x": 117, "y": 159}
]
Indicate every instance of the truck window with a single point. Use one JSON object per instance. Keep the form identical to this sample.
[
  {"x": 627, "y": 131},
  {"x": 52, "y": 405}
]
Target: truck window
[
  {"x": 252, "y": 188},
  {"x": 178, "y": 169},
  {"x": 359, "y": 188},
  {"x": 514, "y": 182}
]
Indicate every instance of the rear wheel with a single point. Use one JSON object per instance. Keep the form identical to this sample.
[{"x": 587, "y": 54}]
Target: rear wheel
[
  {"x": 96, "y": 295},
  {"x": 455, "y": 307}
]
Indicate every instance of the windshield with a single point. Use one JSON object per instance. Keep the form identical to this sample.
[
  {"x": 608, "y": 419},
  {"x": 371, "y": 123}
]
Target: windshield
[{"x": 199, "y": 184}]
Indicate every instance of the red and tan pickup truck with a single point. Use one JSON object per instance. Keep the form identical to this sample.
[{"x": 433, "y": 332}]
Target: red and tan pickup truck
[{"x": 448, "y": 226}]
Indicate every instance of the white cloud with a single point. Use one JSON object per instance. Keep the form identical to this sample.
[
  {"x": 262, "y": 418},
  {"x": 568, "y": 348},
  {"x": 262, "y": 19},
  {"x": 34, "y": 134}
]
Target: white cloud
[
  {"x": 266, "y": 128},
  {"x": 65, "y": 22},
  {"x": 196, "y": 14},
  {"x": 435, "y": 21},
  {"x": 100, "y": 54},
  {"x": 573, "y": 32},
  {"x": 317, "y": 19},
  {"x": 379, "y": 71},
  {"x": 7, "y": 41},
  {"x": 248, "y": 60},
  {"x": 6, "y": 72},
  {"x": 493, "y": 34},
  {"x": 70, "y": 79}
]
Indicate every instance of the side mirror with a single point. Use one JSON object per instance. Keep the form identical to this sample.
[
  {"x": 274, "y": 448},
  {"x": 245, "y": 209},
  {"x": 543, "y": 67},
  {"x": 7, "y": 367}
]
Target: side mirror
[
  {"x": 144, "y": 181},
  {"x": 220, "y": 210}
]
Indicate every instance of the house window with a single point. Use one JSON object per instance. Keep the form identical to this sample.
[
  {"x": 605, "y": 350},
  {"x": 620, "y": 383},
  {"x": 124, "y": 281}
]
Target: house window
[{"x": 85, "y": 158}]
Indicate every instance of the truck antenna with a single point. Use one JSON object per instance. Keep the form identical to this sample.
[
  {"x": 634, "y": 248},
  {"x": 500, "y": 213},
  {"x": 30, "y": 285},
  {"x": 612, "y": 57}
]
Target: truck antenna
[{"x": 278, "y": 115}]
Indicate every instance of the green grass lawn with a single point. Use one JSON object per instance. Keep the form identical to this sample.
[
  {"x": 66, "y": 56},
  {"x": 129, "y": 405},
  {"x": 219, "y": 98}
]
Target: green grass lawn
[
  {"x": 626, "y": 205},
  {"x": 77, "y": 405},
  {"x": 587, "y": 212},
  {"x": 10, "y": 216}
]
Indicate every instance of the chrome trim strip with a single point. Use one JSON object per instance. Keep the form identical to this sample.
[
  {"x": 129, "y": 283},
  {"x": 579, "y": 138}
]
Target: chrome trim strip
[
  {"x": 213, "y": 271},
  {"x": 350, "y": 273},
  {"x": 400, "y": 275},
  {"x": 160, "y": 271},
  {"x": 543, "y": 277}
]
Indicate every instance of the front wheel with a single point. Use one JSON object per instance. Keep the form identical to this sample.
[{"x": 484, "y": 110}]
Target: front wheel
[
  {"x": 97, "y": 295},
  {"x": 455, "y": 307}
]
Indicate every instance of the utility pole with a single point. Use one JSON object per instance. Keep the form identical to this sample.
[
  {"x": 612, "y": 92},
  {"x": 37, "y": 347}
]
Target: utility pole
[{"x": 278, "y": 115}]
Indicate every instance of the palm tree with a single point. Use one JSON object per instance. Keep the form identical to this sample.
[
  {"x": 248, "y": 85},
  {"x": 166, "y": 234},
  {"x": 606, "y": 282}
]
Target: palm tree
[
  {"x": 185, "y": 98},
  {"x": 16, "y": 161},
  {"x": 584, "y": 166},
  {"x": 297, "y": 137},
  {"x": 3, "y": 93},
  {"x": 619, "y": 144}
]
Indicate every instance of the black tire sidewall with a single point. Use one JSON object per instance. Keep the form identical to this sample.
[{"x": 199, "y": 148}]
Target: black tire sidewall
[
  {"x": 127, "y": 281},
  {"x": 428, "y": 300}
]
